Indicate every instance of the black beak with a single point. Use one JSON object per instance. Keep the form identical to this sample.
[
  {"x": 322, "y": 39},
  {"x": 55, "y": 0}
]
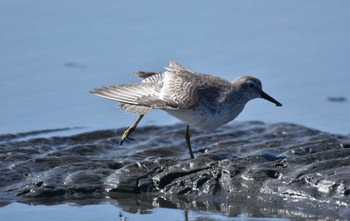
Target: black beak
[{"x": 269, "y": 98}]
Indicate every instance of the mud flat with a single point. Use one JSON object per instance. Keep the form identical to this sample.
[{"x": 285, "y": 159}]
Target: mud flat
[{"x": 251, "y": 167}]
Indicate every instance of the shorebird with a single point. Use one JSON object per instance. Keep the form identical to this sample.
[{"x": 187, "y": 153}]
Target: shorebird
[{"x": 200, "y": 100}]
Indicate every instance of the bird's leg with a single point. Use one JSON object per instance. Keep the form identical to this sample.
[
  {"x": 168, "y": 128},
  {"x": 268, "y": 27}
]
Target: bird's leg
[
  {"x": 130, "y": 129},
  {"x": 187, "y": 137}
]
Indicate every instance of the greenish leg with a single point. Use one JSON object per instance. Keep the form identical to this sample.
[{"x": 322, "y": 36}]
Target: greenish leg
[
  {"x": 187, "y": 137},
  {"x": 130, "y": 129}
]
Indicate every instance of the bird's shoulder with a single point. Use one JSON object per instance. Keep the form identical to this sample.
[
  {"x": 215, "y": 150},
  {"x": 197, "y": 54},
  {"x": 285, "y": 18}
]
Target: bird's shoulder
[{"x": 185, "y": 87}]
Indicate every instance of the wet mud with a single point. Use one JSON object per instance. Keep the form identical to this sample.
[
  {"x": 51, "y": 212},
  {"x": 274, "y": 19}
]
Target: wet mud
[{"x": 258, "y": 168}]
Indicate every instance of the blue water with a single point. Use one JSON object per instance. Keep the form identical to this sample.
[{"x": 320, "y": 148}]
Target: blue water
[
  {"x": 19, "y": 212},
  {"x": 53, "y": 52}
]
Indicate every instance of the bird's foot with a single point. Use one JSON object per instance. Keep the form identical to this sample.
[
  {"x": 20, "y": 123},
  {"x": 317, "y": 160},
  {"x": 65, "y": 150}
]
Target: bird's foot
[
  {"x": 130, "y": 129},
  {"x": 126, "y": 134}
]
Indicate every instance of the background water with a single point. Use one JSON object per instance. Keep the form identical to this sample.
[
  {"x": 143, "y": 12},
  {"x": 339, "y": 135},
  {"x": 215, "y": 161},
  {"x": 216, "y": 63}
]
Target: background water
[{"x": 53, "y": 52}]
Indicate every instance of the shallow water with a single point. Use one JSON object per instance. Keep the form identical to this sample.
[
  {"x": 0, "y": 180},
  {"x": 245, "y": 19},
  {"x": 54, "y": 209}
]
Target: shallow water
[
  {"x": 53, "y": 53},
  {"x": 16, "y": 212}
]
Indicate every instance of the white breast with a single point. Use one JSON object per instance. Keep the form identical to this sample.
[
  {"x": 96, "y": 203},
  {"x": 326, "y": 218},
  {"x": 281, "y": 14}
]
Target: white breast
[{"x": 203, "y": 119}]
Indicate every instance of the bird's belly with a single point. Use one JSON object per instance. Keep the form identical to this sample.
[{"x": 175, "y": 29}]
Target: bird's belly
[{"x": 202, "y": 119}]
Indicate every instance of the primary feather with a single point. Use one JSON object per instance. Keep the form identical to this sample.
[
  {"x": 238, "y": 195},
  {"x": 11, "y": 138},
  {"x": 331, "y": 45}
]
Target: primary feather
[{"x": 151, "y": 92}]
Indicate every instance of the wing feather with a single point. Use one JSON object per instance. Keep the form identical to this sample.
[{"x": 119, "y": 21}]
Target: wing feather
[
  {"x": 135, "y": 109},
  {"x": 176, "y": 88}
]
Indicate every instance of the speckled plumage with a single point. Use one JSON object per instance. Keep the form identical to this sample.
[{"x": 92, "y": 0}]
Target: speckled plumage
[{"x": 200, "y": 100}]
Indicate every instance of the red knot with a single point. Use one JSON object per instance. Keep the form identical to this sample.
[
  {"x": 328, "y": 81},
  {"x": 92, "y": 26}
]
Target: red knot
[{"x": 200, "y": 100}]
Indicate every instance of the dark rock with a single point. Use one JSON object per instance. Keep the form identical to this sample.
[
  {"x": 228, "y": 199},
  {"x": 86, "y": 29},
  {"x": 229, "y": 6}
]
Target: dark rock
[
  {"x": 337, "y": 99},
  {"x": 249, "y": 161}
]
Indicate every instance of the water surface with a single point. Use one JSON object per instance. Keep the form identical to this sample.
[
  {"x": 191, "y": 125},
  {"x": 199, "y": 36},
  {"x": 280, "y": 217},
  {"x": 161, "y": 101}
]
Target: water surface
[
  {"x": 16, "y": 212},
  {"x": 53, "y": 53}
]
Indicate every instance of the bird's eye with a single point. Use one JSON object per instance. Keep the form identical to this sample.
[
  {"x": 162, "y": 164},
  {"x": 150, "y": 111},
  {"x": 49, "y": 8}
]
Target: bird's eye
[{"x": 251, "y": 84}]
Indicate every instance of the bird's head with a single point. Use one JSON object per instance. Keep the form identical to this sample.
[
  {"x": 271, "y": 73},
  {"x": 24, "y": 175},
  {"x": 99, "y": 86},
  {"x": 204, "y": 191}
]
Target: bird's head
[{"x": 251, "y": 88}]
